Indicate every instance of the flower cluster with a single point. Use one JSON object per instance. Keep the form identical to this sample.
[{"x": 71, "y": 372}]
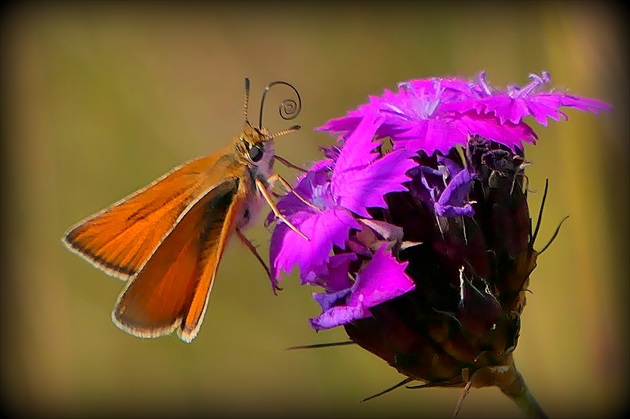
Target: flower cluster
[{"x": 420, "y": 234}]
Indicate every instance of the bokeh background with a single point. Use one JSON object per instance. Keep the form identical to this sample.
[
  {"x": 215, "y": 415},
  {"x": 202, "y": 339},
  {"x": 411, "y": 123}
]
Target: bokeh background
[{"x": 99, "y": 99}]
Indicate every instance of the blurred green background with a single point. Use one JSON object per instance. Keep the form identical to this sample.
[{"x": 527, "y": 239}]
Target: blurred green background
[{"x": 99, "y": 99}]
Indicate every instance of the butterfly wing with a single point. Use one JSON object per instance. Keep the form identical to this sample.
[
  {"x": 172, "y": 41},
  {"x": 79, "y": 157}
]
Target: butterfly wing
[
  {"x": 172, "y": 288},
  {"x": 120, "y": 239}
]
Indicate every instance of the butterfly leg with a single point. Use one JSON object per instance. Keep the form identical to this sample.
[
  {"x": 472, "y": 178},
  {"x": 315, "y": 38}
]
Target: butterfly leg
[
  {"x": 263, "y": 190},
  {"x": 287, "y": 163},
  {"x": 252, "y": 248},
  {"x": 277, "y": 178}
]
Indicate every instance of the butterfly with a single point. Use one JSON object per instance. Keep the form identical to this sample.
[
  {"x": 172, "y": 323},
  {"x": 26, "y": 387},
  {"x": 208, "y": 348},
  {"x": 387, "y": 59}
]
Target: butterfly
[{"x": 167, "y": 239}]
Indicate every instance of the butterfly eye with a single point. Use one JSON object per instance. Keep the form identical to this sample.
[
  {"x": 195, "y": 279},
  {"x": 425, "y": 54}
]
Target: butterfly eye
[{"x": 255, "y": 153}]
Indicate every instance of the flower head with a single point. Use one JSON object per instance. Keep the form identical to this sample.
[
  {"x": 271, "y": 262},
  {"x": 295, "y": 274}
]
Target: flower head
[{"x": 424, "y": 252}]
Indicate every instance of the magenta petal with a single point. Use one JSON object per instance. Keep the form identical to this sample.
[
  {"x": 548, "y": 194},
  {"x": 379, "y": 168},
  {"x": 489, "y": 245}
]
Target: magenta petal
[
  {"x": 360, "y": 179},
  {"x": 365, "y": 188},
  {"x": 358, "y": 149},
  {"x": 546, "y": 106},
  {"x": 508, "y": 134},
  {"x": 337, "y": 316},
  {"x": 328, "y": 300},
  {"x": 541, "y": 106},
  {"x": 324, "y": 229},
  {"x": 450, "y": 88},
  {"x": 432, "y": 135},
  {"x": 584, "y": 103},
  {"x": 381, "y": 280},
  {"x": 333, "y": 276},
  {"x": 342, "y": 124},
  {"x": 309, "y": 187}
]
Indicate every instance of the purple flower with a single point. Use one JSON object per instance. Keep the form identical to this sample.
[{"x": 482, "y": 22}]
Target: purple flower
[{"x": 424, "y": 253}]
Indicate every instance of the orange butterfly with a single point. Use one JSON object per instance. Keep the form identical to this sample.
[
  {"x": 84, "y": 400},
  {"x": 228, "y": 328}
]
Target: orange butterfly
[{"x": 167, "y": 239}]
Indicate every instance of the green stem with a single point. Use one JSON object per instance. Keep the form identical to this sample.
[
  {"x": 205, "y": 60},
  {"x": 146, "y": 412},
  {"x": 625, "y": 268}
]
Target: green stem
[{"x": 517, "y": 390}]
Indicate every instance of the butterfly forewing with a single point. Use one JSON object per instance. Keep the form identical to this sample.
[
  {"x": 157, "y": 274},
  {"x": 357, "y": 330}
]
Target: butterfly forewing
[
  {"x": 178, "y": 276},
  {"x": 121, "y": 238}
]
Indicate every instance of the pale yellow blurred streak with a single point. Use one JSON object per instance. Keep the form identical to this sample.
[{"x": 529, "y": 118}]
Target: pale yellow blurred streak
[
  {"x": 582, "y": 41},
  {"x": 581, "y": 336}
]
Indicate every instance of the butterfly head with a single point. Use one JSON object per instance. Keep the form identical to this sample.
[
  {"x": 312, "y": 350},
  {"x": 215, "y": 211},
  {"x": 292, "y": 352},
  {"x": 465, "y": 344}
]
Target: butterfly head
[{"x": 255, "y": 143}]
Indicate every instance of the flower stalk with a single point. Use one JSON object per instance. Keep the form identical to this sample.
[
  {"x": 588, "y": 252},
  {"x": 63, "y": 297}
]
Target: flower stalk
[{"x": 517, "y": 390}]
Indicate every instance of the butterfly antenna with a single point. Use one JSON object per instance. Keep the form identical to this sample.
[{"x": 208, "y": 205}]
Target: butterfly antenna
[
  {"x": 289, "y": 108},
  {"x": 246, "y": 104},
  {"x": 286, "y": 131}
]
